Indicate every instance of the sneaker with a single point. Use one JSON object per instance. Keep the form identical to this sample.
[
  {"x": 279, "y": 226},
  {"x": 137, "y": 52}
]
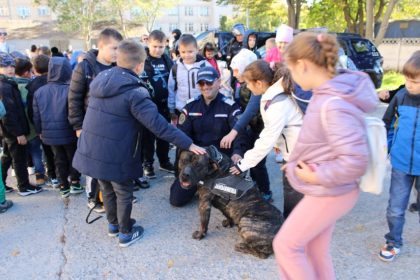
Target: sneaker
[
  {"x": 389, "y": 252},
  {"x": 413, "y": 207},
  {"x": 113, "y": 230},
  {"x": 8, "y": 189},
  {"x": 126, "y": 239},
  {"x": 53, "y": 182},
  {"x": 76, "y": 188},
  {"x": 268, "y": 196},
  {"x": 30, "y": 189},
  {"x": 149, "y": 172},
  {"x": 64, "y": 191},
  {"x": 142, "y": 183},
  {"x": 134, "y": 200},
  {"x": 168, "y": 167},
  {"x": 5, "y": 205},
  {"x": 98, "y": 209},
  {"x": 31, "y": 170},
  {"x": 40, "y": 179}
]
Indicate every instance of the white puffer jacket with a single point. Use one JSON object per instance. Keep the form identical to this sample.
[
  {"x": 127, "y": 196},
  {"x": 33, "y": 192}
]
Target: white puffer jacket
[{"x": 282, "y": 123}]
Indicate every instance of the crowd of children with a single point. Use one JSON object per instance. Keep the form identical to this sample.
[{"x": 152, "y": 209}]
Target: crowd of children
[{"x": 124, "y": 102}]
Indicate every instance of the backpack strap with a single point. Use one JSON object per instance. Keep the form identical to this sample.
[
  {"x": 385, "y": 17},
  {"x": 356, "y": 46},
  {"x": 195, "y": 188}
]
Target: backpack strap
[
  {"x": 174, "y": 70},
  {"x": 324, "y": 111},
  {"x": 279, "y": 97}
]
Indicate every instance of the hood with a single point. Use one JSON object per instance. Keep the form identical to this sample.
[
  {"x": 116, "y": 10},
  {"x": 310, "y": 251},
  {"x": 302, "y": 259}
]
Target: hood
[
  {"x": 91, "y": 57},
  {"x": 353, "y": 86},
  {"x": 273, "y": 90},
  {"x": 59, "y": 70},
  {"x": 242, "y": 60},
  {"x": 113, "y": 82},
  {"x": 246, "y": 37}
]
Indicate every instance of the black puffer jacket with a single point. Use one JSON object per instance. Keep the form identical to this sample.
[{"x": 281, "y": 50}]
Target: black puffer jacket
[
  {"x": 78, "y": 96},
  {"x": 33, "y": 86},
  {"x": 14, "y": 123}
]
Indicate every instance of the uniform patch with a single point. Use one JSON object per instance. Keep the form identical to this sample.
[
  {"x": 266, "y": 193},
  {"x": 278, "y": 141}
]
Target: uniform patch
[
  {"x": 195, "y": 114},
  {"x": 220, "y": 115},
  {"x": 182, "y": 118}
]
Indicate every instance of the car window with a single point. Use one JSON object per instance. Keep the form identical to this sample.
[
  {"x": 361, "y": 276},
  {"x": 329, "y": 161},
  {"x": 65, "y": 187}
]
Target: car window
[{"x": 364, "y": 47}]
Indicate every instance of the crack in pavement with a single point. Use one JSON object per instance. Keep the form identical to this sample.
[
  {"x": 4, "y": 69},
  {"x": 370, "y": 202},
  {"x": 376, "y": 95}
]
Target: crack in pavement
[{"x": 66, "y": 202}]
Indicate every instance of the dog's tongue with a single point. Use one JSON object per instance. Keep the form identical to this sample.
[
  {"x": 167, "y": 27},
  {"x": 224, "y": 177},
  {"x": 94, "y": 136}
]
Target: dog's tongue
[{"x": 185, "y": 184}]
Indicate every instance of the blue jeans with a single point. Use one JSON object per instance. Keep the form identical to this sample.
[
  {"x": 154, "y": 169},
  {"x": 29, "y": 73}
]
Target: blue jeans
[
  {"x": 34, "y": 147},
  {"x": 399, "y": 195}
]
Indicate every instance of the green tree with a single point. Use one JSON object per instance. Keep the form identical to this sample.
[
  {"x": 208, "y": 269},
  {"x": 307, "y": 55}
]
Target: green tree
[
  {"x": 77, "y": 15},
  {"x": 223, "y": 23},
  {"x": 150, "y": 10}
]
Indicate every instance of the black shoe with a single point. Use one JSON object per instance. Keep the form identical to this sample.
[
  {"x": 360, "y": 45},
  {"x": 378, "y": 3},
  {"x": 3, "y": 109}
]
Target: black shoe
[
  {"x": 149, "y": 172},
  {"x": 168, "y": 167},
  {"x": 141, "y": 183},
  {"x": 413, "y": 207},
  {"x": 8, "y": 189},
  {"x": 5, "y": 205},
  {"x": 28, "y": 190}
]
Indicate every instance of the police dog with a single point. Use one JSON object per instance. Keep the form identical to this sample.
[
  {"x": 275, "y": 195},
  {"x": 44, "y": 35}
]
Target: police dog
[{"x": 258, "y": 221}]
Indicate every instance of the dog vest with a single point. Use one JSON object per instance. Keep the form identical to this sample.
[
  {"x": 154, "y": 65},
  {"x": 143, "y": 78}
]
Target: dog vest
[{"x": 231, "y": 187}]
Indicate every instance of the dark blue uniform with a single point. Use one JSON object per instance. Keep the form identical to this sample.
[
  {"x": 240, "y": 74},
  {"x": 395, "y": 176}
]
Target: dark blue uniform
[{"x": 206, "y": 125}]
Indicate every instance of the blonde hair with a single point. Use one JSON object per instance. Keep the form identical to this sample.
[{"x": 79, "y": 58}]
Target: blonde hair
[
  {"x": 319, "y": 48},
  {"x": 411, "y": 68}
]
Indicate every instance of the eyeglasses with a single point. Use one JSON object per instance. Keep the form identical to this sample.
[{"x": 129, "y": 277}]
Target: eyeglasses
[
  {"x": 207, "y": 83},
  {"x": 3, "y": 33}
]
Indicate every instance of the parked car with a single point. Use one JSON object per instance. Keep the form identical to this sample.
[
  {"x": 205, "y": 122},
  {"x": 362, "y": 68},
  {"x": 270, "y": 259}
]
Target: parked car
[{"x": 362, "y": 52}]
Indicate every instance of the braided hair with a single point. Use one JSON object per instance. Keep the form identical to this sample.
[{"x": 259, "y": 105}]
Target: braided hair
[{"x": 319, "y": 48}]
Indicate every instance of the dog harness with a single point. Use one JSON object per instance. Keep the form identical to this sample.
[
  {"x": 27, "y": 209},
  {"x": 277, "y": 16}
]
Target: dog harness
[{"x": 231, "y": 187}]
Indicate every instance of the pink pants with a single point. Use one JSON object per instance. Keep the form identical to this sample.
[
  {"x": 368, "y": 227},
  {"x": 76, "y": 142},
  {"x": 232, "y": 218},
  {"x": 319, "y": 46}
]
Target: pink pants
[{"x": 302, "y": 246}]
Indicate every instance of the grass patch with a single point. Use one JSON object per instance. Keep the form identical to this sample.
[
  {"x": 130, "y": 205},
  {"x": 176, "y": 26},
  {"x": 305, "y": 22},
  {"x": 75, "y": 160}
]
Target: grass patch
[{"x": 392, "y": 80}]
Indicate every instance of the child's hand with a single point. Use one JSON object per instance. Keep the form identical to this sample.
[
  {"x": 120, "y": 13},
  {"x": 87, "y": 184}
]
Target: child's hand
[
  {"x": 383, "y": 95},
  {"x": 305, "y": 173},
  {"x": 197, "y": 149},
  {"x": 22, "y": 140}
]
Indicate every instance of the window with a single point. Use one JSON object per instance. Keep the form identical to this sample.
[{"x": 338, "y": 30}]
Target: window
[
  {"x": 204, "y": 11},
  {"x": 173, "y": 11},
  {"x": 23, "y": 11},
  {"x": 189, "y": 27},
  {"x": 43, "y": 11},
  {"x": 204, "y": 27},
  {"x": 4, "y": 12},
  {"x": 189, "y": 11}
]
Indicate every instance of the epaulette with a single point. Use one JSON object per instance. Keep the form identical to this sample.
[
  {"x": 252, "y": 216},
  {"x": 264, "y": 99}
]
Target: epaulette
[
  {"x": 228, "y": 101},
  {"x": 192, "y": 99}
]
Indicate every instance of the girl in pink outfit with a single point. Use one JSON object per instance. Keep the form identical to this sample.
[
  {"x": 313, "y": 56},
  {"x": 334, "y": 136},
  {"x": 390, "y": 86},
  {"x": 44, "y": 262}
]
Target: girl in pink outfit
[
  {"x": 209, "y": 53},
  {"x": 328, "y": 158}
]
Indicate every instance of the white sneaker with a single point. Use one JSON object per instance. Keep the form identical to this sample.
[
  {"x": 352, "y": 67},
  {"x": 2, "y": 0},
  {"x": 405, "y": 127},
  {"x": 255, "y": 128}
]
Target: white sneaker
[
  {"x": 12, "y": 173},
  {"x": 31, "y": 170}
]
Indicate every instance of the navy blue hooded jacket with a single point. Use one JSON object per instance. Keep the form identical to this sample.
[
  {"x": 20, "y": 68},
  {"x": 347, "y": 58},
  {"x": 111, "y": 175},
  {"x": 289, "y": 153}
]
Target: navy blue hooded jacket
[
  {"x": 119, "y": 107},
  {"x": 50, "y": 109}
]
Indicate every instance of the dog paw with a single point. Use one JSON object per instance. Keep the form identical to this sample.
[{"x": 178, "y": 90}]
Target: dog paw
[
  {"x": 227, "y": 223},
  {"x": 198, "y": 235}
]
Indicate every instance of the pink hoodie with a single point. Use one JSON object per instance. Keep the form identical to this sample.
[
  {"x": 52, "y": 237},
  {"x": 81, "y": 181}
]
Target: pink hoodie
[{"x": 337, "y": 153}]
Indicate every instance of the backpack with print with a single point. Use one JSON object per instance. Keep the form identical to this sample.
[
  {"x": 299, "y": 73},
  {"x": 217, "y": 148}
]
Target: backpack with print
[{"x": 372, "y": 180}]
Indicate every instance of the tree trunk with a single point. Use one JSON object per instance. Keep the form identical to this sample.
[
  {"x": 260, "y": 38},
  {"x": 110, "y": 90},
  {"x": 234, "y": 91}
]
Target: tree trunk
[
  {"x": 122, "y": 21},
  {"x": 370, "y": 5},
  {"x": 291, "y": 13},
  {"x": 385, "y": 22},
  {"x": 351, "y": 26},
  {"x": 360, "y": 17},
  {"x": 380, "y": 11}
]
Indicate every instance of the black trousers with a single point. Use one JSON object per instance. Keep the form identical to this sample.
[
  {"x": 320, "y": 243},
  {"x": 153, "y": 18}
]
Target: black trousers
[
  {"x": 15, "y": 154},
  {"x": 49, "y": 158},
  {"x": 118, "y": 203},
  {"x": 63, "y": 158},
  {"x": 149, "y": 140}
]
